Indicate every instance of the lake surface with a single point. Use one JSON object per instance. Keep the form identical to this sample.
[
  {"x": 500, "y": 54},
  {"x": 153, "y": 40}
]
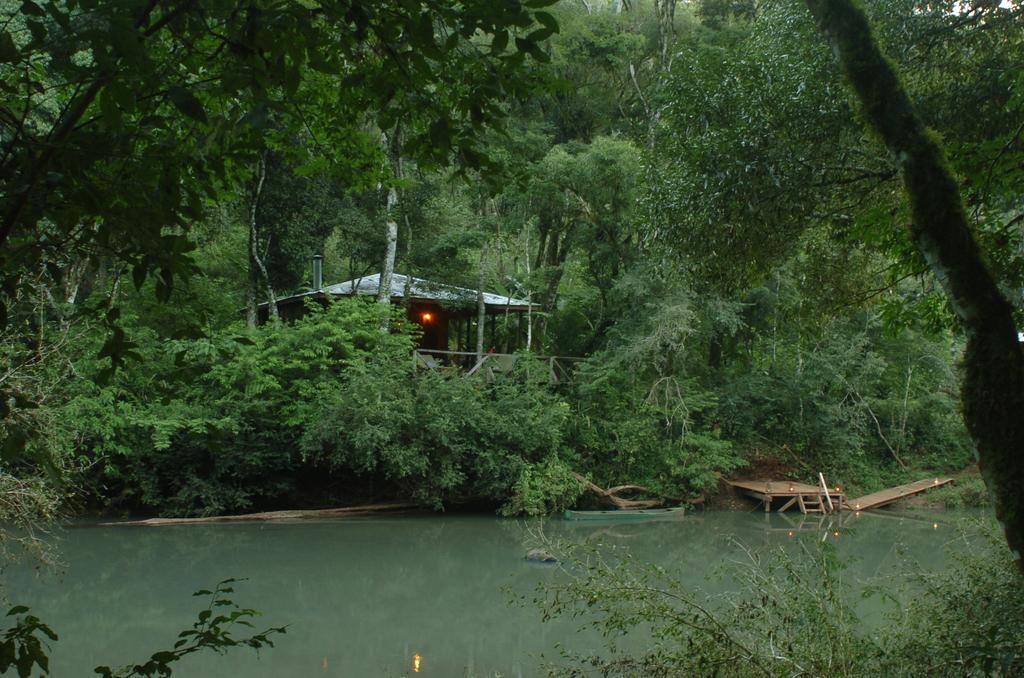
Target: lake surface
[{"x": 364, "y": 597}]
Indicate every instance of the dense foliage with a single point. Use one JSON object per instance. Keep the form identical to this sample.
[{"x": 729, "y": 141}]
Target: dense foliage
[
  {"x": 793, "y": 613},
  {"x": 685, "y": 191},
  {"x": 734, "y": 277}
]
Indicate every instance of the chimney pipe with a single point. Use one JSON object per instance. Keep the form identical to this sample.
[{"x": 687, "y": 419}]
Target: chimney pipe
[{"x": 318, "y": 272}]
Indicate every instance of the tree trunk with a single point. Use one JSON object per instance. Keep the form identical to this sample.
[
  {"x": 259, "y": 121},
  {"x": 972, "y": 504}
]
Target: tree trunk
[
  {"x": 529, "y": 294},
  {"x": 388, "y": 268},
  {"x": 394, "y": 150},
  {"x": 257, "y": 266},
  {"x": 993, "y": 387},
  {"x": 666, "y": 11},
  {"x": 481, "y": 308}
]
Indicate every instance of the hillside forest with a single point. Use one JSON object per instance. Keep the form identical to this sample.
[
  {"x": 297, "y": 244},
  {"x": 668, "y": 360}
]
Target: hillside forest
[{"x": 691, "y": 195}]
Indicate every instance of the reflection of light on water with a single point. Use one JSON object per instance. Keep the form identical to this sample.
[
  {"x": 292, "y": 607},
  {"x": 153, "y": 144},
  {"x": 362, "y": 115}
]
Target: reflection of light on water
[
  {"x": 415, "y": 663},
  {"x": 324, "y": 665}
]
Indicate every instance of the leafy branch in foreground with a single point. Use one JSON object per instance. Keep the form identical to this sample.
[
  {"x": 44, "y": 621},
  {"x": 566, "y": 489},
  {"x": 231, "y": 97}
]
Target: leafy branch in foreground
[
  {"x": 21, "y": 647},
  {"x": 210, "y": 631},
  {"x": 789, "y": 616},
  {"x": 791, "y": 611}
]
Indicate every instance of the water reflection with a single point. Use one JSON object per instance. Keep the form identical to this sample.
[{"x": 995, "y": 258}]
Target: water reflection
[{"x": 373, "y": 597}]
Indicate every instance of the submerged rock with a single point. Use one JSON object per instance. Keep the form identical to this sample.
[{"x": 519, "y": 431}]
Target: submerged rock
[{"x": 540, "y": 556}]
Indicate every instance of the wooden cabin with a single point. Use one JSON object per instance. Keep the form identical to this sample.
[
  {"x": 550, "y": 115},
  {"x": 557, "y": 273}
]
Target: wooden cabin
[{"x": 447, "y": 313}]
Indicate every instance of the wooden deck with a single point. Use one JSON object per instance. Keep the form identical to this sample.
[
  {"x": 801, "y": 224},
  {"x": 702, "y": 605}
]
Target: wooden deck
[
  {"x": 886, "y": 497},
  {"x": 808, "y": 498}
]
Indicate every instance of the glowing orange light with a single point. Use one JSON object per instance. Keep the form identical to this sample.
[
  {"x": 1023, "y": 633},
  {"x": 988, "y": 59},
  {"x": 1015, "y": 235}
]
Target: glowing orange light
[
  {"x": 836, "y": 533},
  {"x": 935, "y": 526},
  {"x": 415, "y": 663},
  {"x": 790, "y": 534},
  {"x": 427, "y": 317}
]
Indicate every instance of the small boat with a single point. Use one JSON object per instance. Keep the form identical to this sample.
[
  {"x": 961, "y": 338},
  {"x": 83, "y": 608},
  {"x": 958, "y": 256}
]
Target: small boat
[{"x": 626, "y": 514}]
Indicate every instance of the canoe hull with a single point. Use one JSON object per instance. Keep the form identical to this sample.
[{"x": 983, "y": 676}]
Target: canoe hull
[{"x": 626, "y": 514}]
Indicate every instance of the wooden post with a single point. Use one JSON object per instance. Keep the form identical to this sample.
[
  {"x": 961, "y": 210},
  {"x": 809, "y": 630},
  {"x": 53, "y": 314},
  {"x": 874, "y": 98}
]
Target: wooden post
[{"x": 824, "y": 488}]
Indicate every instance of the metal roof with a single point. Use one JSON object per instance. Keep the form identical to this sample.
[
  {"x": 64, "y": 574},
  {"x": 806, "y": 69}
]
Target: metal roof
[{"x": 419, "y": 289}]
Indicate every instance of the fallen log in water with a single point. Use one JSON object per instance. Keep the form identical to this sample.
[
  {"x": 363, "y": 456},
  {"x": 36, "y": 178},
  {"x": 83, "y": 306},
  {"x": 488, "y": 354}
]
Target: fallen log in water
[
  {"x": 608, "y": 496},
  {"x": 312, "y": 514}
]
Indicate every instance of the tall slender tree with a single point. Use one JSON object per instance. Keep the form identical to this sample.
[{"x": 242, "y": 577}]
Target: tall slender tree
[{"x": 993, "y": 387}]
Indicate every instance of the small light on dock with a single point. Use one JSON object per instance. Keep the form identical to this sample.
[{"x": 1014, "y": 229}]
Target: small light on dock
[
  {"x": 836, "y": 533},
  {"x": 791, "y": 487},
  {"x": 936, "y": 482},
  {"x": 790, "y": 534},
  {"x": 415, "y": 663},
  {"x": 856, "y": 506},
  {"x": 935, "y": 526}
]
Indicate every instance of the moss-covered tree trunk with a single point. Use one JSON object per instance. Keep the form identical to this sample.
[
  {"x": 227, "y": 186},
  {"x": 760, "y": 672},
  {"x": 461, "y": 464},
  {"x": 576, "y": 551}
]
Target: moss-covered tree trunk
[{"x": 993, "y": 386}]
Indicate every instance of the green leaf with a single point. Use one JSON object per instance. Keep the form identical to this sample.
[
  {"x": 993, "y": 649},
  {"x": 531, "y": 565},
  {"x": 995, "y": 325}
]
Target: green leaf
[
  {"x": 187, "y": 103},
  {"x": 110, "y": 110},
  {"x": 13, "y": 445},
  {"x": 164, "y": 657},
  {"x": 539, "y": 35},
  {"x": 37, "y": 29},
  {"x": 139, "y": 272},
  {"x": 8, "y": 50},
  {"x": 32, "y": 9},
  {"x": 528, "y": 46},
  {"x": 547, "y": 21},
  {"x": 499, "y": 42}
]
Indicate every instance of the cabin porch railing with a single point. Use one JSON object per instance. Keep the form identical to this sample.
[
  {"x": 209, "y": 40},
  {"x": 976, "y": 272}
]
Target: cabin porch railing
[{"x": 560, "y": 368}]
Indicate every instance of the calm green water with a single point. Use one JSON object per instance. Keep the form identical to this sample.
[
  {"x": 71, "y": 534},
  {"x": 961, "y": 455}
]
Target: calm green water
[{"x": 363, "y": 597}]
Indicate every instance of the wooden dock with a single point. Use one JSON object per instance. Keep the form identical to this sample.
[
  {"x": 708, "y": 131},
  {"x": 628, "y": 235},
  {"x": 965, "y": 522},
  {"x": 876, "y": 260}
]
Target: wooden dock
[
  {"x": 886, "y": 497},
  {"x": 807, "y": 498}
]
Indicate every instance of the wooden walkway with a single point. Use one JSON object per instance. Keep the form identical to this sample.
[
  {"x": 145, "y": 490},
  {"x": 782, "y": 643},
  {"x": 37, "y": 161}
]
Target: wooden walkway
[{"x": 886, "y": 497}]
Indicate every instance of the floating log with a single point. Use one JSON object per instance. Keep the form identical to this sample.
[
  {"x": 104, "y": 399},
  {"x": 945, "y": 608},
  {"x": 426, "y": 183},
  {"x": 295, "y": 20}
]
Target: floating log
[{"x": 313, "y": 514}]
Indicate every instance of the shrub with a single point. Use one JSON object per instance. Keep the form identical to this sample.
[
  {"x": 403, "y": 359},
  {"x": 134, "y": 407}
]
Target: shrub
[{"x": 542, "y": 489}]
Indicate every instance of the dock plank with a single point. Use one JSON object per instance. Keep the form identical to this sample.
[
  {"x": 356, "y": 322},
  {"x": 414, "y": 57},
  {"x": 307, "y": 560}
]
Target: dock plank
[
  {"x": 777, "y": 488},
  {"x": 888, "y": 496}
]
